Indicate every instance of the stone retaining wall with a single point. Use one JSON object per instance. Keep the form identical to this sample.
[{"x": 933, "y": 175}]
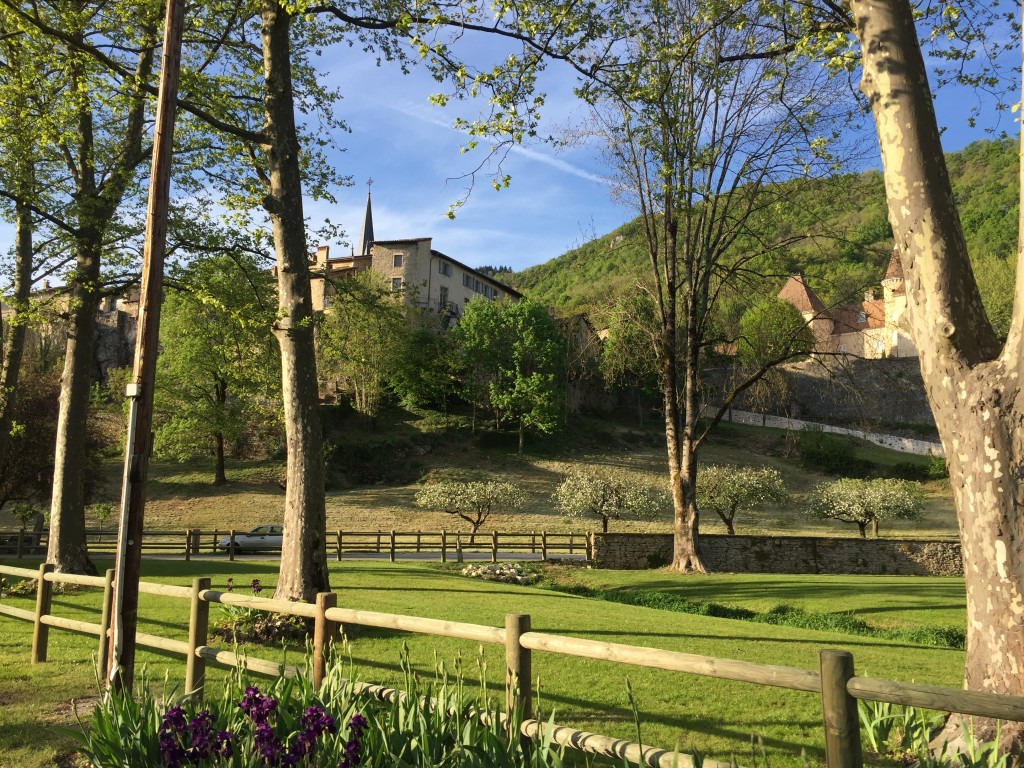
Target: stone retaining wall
[
  {"x": 786, "y": 554},
  {"x": 892, "y": 442}
]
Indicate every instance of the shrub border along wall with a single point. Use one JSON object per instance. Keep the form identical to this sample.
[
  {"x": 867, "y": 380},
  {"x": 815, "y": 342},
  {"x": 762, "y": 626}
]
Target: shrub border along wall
[{"x": 787, "y": 554}]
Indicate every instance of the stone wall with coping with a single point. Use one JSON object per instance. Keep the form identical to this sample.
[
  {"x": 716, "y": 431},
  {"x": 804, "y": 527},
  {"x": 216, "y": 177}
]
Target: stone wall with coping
[{"x": 787, "y": 554}]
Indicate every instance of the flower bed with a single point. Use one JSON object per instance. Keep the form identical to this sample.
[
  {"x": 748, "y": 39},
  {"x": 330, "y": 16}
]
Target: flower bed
[
  {"x": 290, "y": 723},
  {"x": 508, "y": 573}
]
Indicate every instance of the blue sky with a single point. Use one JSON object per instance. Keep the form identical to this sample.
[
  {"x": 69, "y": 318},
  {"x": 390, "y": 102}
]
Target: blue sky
[
  {"x": 407, "y": 146},
  {"x": 557, "y": 199}
]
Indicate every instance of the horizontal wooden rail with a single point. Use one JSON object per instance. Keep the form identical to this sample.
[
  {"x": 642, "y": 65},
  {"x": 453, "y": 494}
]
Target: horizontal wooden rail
[
  {"x": 287, "y": 607},
  {"x": 162, "y": 643},
  {"x": 476, "y": 632},
  {"x": 74, "y": 578},
  {"x": 725, "y": 669},
  {"x": 27, "y": 573},
  {"x": 977, "y": 703},
  {"x": 73, "y": 625},
  {"x": 617, "y": 749},
  {"x": 261, "y": 666},
  {"x": 164, "y": 590},
  {"x": 16, "y": 613}
]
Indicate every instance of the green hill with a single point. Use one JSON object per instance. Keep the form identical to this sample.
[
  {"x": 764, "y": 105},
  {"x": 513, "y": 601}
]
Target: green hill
[{"x": 847, "y": 245}]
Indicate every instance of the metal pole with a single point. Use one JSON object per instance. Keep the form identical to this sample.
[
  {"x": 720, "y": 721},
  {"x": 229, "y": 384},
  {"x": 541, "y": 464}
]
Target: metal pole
[{"x": 129, "y": 549}]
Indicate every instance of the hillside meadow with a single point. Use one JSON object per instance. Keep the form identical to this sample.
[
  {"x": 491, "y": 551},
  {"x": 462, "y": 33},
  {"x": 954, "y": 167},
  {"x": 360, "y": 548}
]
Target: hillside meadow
[{"x": 374, "y": 476}]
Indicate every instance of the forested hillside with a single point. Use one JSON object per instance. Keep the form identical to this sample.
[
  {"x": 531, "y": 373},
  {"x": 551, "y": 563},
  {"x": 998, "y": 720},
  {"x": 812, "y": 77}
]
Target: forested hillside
[{"x": 846, "y": 247}]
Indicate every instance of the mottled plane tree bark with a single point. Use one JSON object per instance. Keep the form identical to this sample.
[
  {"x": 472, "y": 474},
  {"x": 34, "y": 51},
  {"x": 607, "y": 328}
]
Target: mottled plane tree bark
[{"x": 975, "y": 385}]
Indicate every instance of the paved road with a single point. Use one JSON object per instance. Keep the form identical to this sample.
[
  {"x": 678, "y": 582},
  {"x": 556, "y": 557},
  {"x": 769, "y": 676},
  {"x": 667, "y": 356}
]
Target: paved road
[{"x": 475, "y": 557}]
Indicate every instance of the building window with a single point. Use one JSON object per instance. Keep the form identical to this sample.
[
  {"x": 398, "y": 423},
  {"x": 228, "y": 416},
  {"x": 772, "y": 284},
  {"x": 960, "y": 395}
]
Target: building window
[
  {"x": 444, "y": 268},
  {"x": 497, "y": 293},
  {"x": 862, "y": 317},
  {"x": 398, "y": 259},
  {"x": 443, "y": 300},
  {"x": 467, "y": 280},
  {"x": 396, "y": 284}
]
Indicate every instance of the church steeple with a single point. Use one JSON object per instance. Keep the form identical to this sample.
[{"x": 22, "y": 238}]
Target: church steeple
[{"x": 366, "y": 236}]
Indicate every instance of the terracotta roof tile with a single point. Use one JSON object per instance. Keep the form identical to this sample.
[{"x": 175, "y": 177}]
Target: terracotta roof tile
[{"x": 800, "y": 295}]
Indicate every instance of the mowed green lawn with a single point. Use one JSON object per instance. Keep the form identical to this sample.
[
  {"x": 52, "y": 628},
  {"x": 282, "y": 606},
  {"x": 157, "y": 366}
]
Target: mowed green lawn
[{"x": 717, "y": 717}]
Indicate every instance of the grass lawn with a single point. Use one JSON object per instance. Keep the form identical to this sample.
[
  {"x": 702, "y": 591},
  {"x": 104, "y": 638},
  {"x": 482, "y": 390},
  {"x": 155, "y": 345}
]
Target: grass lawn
[{"x": 714, "y": 716}]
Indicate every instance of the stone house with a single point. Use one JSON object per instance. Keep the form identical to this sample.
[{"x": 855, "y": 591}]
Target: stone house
[
  {"x": 874, "y": 328},
  {"x": 427, "y": 278},
  {"x": 114, "y": 340}
]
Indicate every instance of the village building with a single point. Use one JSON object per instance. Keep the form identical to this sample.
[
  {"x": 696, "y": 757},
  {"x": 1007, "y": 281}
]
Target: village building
[
  {"x": 426, "y": 278},
  {"x": 874, "y": 328},
  {"x": 114, "y": 336}
]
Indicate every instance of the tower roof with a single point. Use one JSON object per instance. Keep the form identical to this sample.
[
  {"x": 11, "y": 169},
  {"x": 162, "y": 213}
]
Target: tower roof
[
  {"x": 895, "y": 269},
  {"x": 366, "y": 235},
  {"x": 799, "y": 294}
]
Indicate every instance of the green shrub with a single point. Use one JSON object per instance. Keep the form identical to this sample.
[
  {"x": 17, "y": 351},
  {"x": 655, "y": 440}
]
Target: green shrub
[
  {"x": 937, "y": 468},
  {"x": 830, "y": 453}
]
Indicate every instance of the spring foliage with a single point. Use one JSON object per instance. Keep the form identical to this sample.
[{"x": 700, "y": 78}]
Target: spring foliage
[
  {"x": 472, "y": 501},
  {"x": 866, "y": 502},
  {"x": 727, "y": 490},
  {"x": 608, "y": 496}
]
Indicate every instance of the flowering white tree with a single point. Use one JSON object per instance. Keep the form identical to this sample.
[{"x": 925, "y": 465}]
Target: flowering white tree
[
  {"x": 727, "y": 490},
  {"x": 609, "y": 496},
  {"x": 866, "y": 502},
  {"x": 473, "y": 502}
]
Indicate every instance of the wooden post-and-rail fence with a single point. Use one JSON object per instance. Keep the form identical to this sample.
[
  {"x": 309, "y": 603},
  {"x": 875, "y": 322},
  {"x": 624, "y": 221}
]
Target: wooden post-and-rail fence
[
  {"x": 394, "y": 543},
  {"x": 835, "y": 682}
]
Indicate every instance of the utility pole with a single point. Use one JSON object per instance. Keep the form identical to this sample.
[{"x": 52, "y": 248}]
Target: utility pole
[{"x": 124, "y": 615}]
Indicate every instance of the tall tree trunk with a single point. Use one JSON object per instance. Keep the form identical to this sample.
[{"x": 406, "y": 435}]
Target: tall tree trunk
[
  {"x": 221, "y": 393},
  {"x": 97, "y": 197},
  {"x": 14, "y": 343},
  {"x": 682, "y": 470},
  {"x": 304, "y": 549},
  {"x": 522, "y": 437},
  {"x": 974, "y": 388},
  {"x": 219, "y": 475},
  {"x": 67, "y": 548}
]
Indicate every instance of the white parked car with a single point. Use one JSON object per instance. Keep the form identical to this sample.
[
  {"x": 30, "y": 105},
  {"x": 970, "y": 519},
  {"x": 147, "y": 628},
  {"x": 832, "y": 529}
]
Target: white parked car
[{"x": 259, "y": 538}]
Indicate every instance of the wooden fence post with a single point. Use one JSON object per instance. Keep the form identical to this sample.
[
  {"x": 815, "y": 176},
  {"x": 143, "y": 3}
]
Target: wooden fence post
[
  {"x": 590, "y": 546},
  {"x": 196, "y": 540},
  {"x": 458, "y": 547},
  {"x": 518, "y": 666},
  {"x": 21, "y": 543},
  {"x": 444, "y": 546},
  {"x": 533, "y": 542},
  {"x": 392, "y": 553},
  {"x": 231, "y": 546},
  {"x": 188, "y": 544},
  {"x": 839, "y": 710},
  {"x": 44, "y": 597},
  {"x": 544, "y": 545},
  {"x": 323, "y": 635},
  {"x": 494, "y": 546},
  {"x": 103, "y": 652},
  {"x": 339, "y": 544},
  {"x": 198, "y": 633}
]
